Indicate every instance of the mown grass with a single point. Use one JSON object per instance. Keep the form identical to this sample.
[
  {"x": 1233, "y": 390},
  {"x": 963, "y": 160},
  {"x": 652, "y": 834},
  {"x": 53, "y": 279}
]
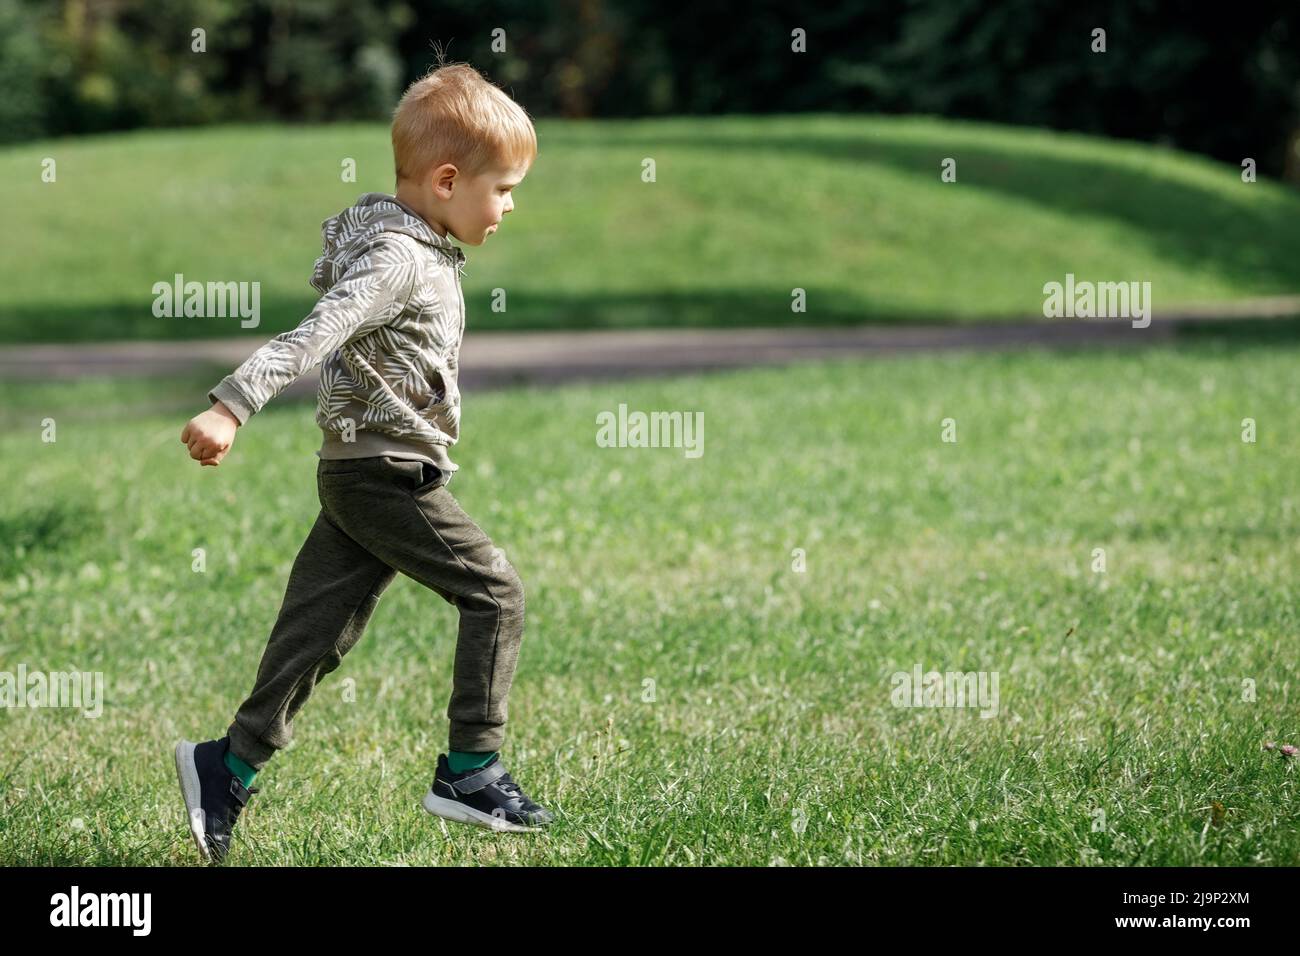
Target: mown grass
[
  {"x": 742, "y": 211},
  {"x": 684, "y": 696}
]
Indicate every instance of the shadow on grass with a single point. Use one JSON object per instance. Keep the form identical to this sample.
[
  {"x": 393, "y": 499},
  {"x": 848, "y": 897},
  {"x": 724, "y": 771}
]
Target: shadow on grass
[
  {"x": 529, "y": 311},
  {"x": 53, "y": 528}
]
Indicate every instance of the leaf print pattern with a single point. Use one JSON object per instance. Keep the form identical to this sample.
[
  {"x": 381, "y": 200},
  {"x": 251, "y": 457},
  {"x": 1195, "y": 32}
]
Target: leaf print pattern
[{"x": 386, "y": 331}]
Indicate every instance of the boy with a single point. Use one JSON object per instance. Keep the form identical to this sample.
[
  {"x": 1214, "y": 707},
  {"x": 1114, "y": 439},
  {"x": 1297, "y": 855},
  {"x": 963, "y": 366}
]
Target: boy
[{"x": 388, "y": 328}]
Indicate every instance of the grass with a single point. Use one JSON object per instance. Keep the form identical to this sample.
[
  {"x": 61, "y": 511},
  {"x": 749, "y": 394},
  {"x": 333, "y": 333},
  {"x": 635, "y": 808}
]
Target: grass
[
  {"x": 684, "y": 696},
  {"x": 742, "y": 211}
]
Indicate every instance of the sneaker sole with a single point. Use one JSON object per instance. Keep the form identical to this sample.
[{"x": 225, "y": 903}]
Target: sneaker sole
[
  {"x": 453, "y": 810},
  {"x": 188, "y": 777}
]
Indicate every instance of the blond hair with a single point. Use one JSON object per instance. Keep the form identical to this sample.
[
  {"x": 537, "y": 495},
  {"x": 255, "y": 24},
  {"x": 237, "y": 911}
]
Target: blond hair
[{"x": 453, "y": 114}]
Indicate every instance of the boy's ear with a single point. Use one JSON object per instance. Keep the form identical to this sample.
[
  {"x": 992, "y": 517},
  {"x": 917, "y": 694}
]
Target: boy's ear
[{"x": 444, "y": 177}]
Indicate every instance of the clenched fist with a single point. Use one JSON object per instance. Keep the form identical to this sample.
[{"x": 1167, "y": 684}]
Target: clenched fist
[{"x": 210, "y": 434}]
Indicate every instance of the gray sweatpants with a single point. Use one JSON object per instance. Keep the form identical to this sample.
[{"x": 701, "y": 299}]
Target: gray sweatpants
[{"x": 379, "y": 516}]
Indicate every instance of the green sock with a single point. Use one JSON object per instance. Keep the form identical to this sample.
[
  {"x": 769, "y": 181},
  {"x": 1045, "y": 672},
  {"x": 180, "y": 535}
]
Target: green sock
[
  {"x": 243, "y": 771},
  {"x": 460, "y": 760}
]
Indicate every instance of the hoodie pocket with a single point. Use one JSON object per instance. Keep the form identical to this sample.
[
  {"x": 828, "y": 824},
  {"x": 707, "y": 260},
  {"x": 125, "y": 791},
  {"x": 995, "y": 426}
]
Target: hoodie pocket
[
  {"x": 437, "y": 389},
  {"x": 442, "y": 410}
]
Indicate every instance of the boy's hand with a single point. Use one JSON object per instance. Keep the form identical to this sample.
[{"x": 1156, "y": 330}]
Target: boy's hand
[{"x": 210, "y": 434}]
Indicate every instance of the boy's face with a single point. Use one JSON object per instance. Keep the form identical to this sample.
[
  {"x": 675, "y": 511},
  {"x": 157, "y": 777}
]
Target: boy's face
[{"x": 477, "y": 204}]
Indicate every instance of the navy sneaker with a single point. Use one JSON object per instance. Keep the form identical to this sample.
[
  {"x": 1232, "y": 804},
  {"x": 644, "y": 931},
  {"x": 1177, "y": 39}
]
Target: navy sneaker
[
  {"x": 486, "y": 797},
  {"x": 213, "y": 795}
]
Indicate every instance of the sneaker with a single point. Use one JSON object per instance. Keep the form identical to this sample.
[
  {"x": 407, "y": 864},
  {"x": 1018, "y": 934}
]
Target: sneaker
[
  {"x": 213, "y": 795},
  {"x": 486, "y": 796}
]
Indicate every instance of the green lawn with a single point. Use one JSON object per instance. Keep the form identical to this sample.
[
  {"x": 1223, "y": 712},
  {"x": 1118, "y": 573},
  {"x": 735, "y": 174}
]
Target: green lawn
[
  {"x": 743, "y": 210},
  {"x": 770, "y": 735}
]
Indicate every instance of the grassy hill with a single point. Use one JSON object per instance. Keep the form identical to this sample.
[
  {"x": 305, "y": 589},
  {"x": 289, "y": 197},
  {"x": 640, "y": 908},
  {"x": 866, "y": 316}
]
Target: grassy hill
[{"x": 743, "y": 210}]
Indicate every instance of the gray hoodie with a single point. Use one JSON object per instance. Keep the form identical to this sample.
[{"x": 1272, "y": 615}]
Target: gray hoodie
[{"x": 387, "y": 328}]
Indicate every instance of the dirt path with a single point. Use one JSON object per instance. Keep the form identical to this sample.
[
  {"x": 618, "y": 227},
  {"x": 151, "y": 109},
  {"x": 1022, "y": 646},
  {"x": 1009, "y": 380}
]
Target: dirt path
[{"x": 500, "y": 358}]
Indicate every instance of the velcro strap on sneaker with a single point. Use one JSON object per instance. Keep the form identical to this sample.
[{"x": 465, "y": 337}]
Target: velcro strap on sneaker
[
  {"x": 477, "y": 781},
  {"x": 239, "y": 791}
]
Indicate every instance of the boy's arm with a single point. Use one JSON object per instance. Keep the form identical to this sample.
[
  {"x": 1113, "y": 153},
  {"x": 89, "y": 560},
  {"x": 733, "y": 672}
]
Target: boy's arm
[{"x": 374, "y": 289}]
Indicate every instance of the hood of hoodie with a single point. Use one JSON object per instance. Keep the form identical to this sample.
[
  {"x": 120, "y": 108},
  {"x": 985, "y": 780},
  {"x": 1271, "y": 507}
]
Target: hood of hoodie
[{"x": 342, "y": 236}]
